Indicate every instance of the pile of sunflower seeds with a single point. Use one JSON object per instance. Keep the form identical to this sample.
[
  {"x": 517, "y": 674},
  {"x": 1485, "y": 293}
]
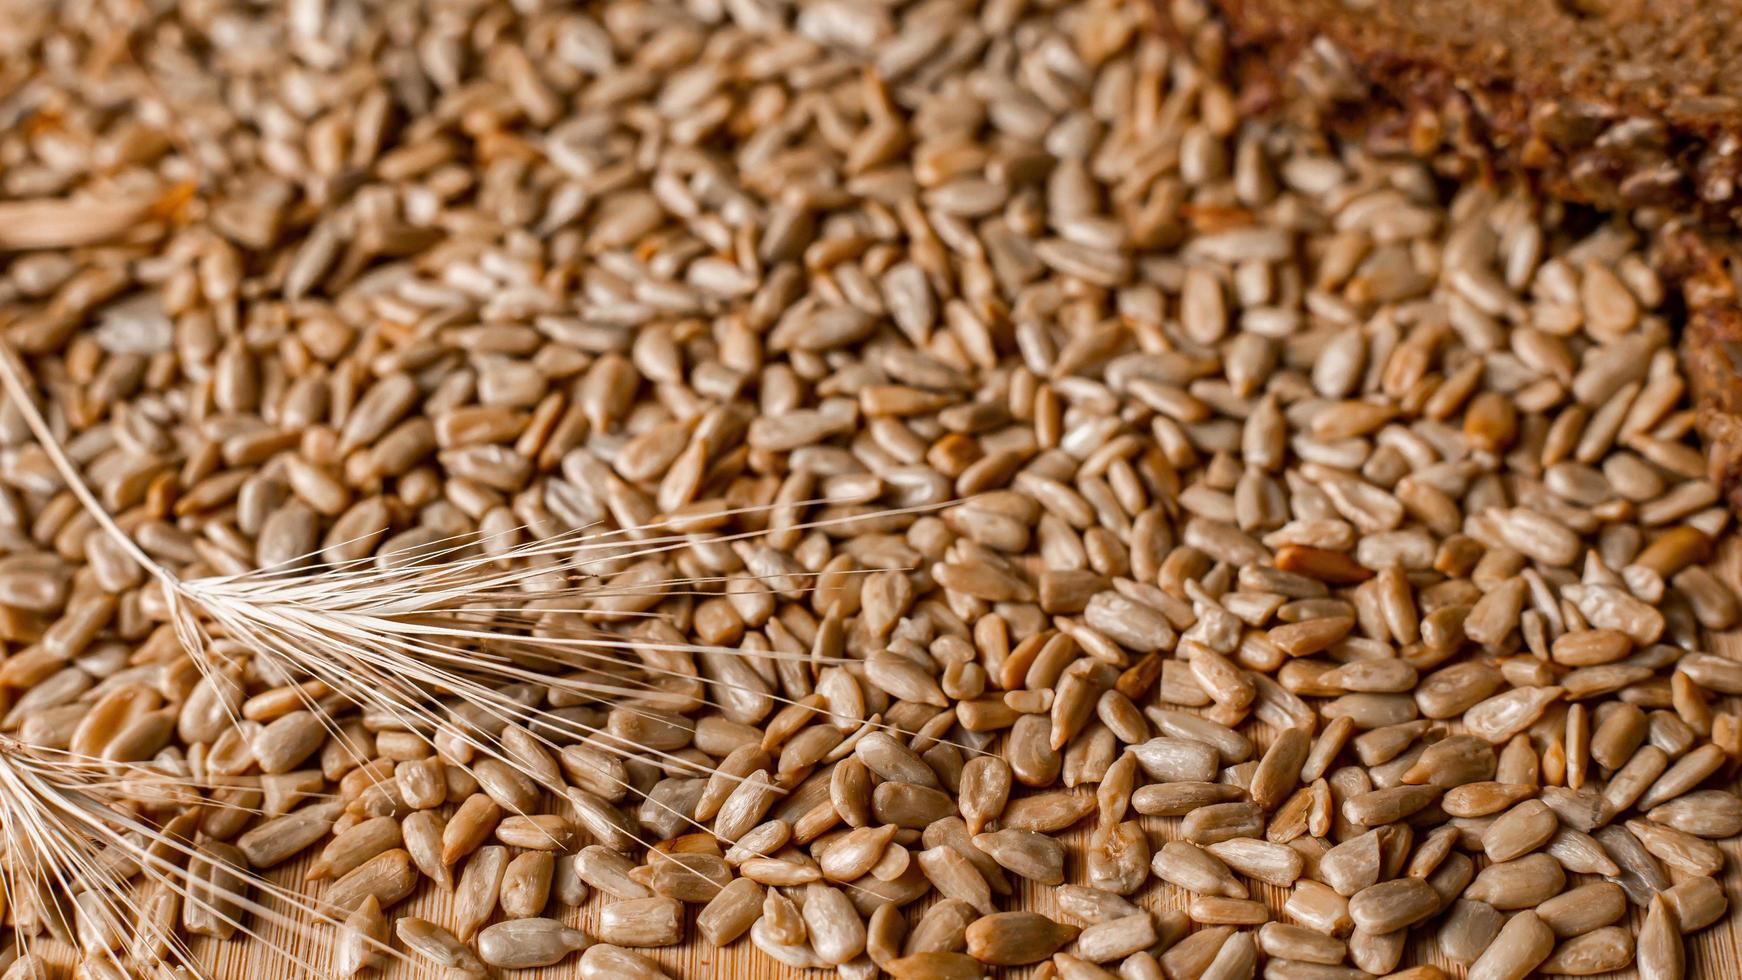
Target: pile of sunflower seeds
[{"x": 1331, "y": 546}]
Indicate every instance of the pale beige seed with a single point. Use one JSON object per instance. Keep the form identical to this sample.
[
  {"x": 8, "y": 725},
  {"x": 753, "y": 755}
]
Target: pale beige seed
[
  {"x": 471, "y": 825},
  {"x": 1308, "y": 809},
  {"x": 542, "y": 832},
  {"x": 1191, "y": 956},
  {"x": 609, "y": 872},
  {"x": 731, "y": 912},
  {"x": 1034, "y": 856},
  {"x": 1229, "y": 744},
  {"x": 1632, "y": 780},
  {"x": 1237, "y": 959},
  {"x": 1180, "y": 798},
  {"x": 422, "y": 783},
  {"x": 1496, "y": 613},
  {"x": 479, "y": 888},
  {"x": 1310, "y": 636},
  {"x": 1683, "y": 775},
  {"x": 1452, "y": 872},
  {"x": 951, "y": 833},
  {"x": 955, "y": 877},
  {"x": 1279, "y": 771},
  {"x": 1047, "y": 812},
  {"x": 1290, "y": 942},
  {"x": 213, "y": 903},
  {"x": 526, "y": 884},
  {"x": 1381, "y": 745},
  {"x": 1582, "y": 909},
  {"x": 1377, "y": 953},
  {"x": 1696, "y": 902},
  {"x": 943, "y": 927},
  {"x": 1319, "y": 907},
  {"x": 1580, "y": 853},
  {"x": 1325, "y": 748},
  {"x": 608, "y": 825},
  {"x": 853, "y": 855},
  {"x": 519, "y": 944},
  {"x": 1504, "y": 715},
  {"x": 355, "y": 847},
  {"x": 1075, "y": 967},
  {"x": 1451, "y": 690},
  {"x": 1520, "y": 830},
  {"x": 1167, "y": 759},
  {"x": 1641, "y": 875},
  {"x": 1016, "y": 938},
  {"x": 1113, "y": 794},
  {"x": 1522, "y": 944},
  {"x": 1222, "y": 821},
  {"x": 837, "y": 933},
  {"x": 1468, "y": 930},
  {"x": 1033, "y": 761},
  {"x": 604, "y": 775},
  {"x": 1275, "y": 864},
  {"x": 287, "y": 741},
  {"x": 653, "y": 921},
  {"x": 362, "y": 940},
  {"x": 1388, "y": 805},
  {"x": 1393, "y": 905},
  {"x": 910, "y": 805},
  {"x": 1452, "y": 762},
  {"x": 1660, "y": 952},
  {"x": 438, "y": 945},
  {"x": 1713, "y": 603},
  {"x": 1219, "y": 910},
  {"x": 1618, "y": 734},
  {"x": 1681, "y": 852},
  {"x": 1354, "y": 864},
  {"x": 1598, "y": 951},
  {"x": 388, "y": 877},
  {"x": 421, "y": 833},
  {"x": 884, "y": 933},
  {"x": 1196, "y": 870},
  {"x": 781, "y": 920},
  {"x": 764, "y": 838},
  {"x": 1092, "y": 904},
  {"x": 984, "y": 790},
  {"x": 891, "y": 760},
  {"x": 1432, "y": 850},
  {"x": 935, "y": 965},
  {"x": 272, "y": 842},
  {"x": 1704, "y": 813},
  {"x": 1372, "y": 710},
  {"x": 1522, "y": 883},
  {"x": 779, "y": 871},
  {"x": 688, "y": 877},
  {"x": 1114, "y": 939},
  {"x": 1711, "y": 672},
  {"x": 606, "y": 962}
]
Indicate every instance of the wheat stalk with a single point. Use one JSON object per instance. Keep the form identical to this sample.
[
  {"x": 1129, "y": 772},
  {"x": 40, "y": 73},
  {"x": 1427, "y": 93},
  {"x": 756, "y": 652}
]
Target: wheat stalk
[
  {"x": 68, "y": 834},
  {"x": 464, "y": 620}
]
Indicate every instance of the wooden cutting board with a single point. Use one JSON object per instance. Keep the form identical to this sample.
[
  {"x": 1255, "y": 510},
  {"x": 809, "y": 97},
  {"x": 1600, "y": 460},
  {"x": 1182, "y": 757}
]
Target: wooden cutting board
[{"x": 304, "y": 948}]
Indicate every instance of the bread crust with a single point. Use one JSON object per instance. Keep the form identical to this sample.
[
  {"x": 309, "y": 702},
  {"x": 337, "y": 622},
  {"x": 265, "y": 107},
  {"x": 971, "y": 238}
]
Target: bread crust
[
  {"x": 1446, "y": 82},
  {"x": 1711, "y": 348},
  {"x": 1385, "y": 74}
]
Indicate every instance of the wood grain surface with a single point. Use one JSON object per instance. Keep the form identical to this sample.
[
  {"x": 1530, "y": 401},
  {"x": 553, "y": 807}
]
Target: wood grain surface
[{"x": 305, "y": 948}]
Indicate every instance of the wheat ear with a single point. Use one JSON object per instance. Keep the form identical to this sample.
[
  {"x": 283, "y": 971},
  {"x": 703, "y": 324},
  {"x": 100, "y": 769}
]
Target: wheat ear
[
  {"x": 69, "y": 836},
  {"x": 386, "y": 638}
]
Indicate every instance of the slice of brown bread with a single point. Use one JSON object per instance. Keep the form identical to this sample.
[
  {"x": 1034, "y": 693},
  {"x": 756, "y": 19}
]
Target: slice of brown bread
[
  {"x": 1711, "y": 347},
  {"x": 1618, "y": 104},
  {"x": 1615, "y": 103}
]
